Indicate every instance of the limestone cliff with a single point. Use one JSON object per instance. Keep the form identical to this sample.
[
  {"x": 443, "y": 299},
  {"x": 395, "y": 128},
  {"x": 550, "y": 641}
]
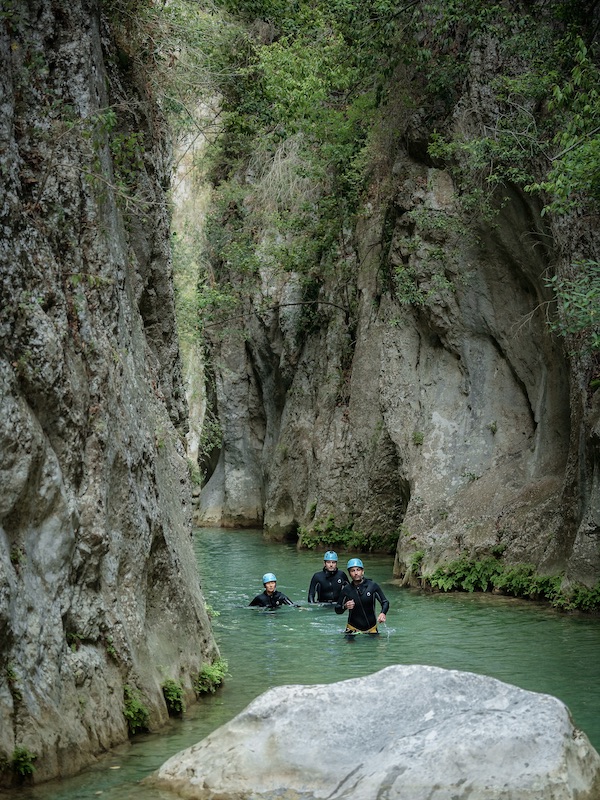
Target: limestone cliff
[
  {"x": 98, "y": 580},
  {"x": 444, "y": 414}
]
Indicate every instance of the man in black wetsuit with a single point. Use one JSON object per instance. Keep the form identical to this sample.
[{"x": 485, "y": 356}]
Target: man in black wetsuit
[
  {"x": 271, "y": 598},
  {"x": 358, "y": 597},
  {"x": 326, "y": 585}
]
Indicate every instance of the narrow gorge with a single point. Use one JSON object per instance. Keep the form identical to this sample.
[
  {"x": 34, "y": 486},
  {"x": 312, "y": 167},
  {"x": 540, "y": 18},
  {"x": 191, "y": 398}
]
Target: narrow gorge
[
  {"x": 364, "y": 315},
  {"x": 409, "y": 375}
]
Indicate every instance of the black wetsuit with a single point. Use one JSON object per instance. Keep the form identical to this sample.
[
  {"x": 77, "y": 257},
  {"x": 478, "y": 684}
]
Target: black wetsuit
[
  {"x": 271, "y": 601},
  {"x": 325, "y": 586},
  {"x": 362, "y": 616}
]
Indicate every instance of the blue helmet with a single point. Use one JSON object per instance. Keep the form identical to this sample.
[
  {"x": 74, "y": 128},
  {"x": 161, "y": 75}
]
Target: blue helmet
[
  {"x": 355, "y": 562},
  {"x": 330, "y": 555},
  {"x": 268, "y": 576}
]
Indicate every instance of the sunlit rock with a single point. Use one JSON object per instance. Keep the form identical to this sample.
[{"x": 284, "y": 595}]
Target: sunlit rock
[{"x": 405, "y": 733}]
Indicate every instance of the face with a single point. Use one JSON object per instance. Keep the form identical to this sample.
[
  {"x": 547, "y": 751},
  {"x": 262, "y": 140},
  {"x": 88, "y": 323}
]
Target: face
[
  {"x": 270, "y": 586},
  {"x": 356, "y": 573},
  {"x": 331, "y": 566}
]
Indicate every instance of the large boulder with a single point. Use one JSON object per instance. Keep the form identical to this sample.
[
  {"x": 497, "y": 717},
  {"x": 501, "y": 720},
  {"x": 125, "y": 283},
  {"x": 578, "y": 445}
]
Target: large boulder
[{"x": 406, "y": 732}]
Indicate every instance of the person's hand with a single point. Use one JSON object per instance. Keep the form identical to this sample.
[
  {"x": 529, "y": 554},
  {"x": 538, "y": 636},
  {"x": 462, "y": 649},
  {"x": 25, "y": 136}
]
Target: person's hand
[
  {"x": 381, "y": 617},
  {"x": 349, "y": 604}
]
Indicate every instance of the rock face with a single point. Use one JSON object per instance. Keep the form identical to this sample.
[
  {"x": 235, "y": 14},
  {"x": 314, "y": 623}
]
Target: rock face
[
  {"x": 98, "y": 580},
  {"x": 442, "y": 414},
  {"x": 405, "y": 732}
]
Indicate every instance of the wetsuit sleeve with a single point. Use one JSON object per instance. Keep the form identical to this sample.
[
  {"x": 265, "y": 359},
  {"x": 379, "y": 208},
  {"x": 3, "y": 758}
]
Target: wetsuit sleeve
[
  {"x": 385, "y": 603},
  {"x": 256, "y": 601},
  {"x": 312, "y": 588},
  {"x": 339, "y": 606},
  {"x": 286, "y": 600}
]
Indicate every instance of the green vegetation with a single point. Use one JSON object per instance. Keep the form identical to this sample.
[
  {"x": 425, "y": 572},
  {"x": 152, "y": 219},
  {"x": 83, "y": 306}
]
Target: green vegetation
[
  {"x": 574, "y": 177},
  {"x": 74, "y": 641},
  {"x": 210, "y": 677},
  {"x": 466, "y": 574},
  {"x": 17, "y": 556},
  {"x": 313, "y": 98},
  {"x": 289, "y": 164},
  {"x": 134, "y": 710},
  {"x": 327, "y": 534},
  {"x": 416, "y": 561},
  {"x": 22, "y": 762},
  {"x": 308, "y": 118},
  {"x": 578, "y": 300},
  {"x": 543, "y": 138},
  {"x": 520, "y": 580},
  {"x": 547, "y": 103},
  {"x": 173, "y": 694},
  {"x": 109, "y": 645},
  {"x": 12, "y": 679}
]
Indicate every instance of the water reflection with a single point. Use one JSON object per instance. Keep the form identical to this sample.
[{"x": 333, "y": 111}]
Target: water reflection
[{"x": 521, "y": 643}]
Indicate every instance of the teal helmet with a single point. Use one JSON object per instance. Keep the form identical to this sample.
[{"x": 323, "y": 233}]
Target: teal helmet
[
  {"x": 330, "y": 555},
  {"x": 268, "y": 576},
  {"x": 355, "y": 562}
]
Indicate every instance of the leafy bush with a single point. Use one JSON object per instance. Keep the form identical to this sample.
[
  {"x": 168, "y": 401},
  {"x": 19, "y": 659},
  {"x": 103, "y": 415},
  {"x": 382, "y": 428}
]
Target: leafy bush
[
  {"x": 579, "y": 598},
  {"x": 22, "y": 762},
  {"x": 328, "y": 534},
  {"x": 210, "y": 677},
  {"x": 519, "y": 580},
  {"x": 578, "y": 300},
  {"x": 134, "y": 710},
  {"x": 467, "y": 574},
  {"x": 574, "y": 177},
  {"x": 380, "y": 542},
  {"x": 516, "y": 580},
  {"x": 173, "y": 694},
  {"x": 415, "y": 562}
]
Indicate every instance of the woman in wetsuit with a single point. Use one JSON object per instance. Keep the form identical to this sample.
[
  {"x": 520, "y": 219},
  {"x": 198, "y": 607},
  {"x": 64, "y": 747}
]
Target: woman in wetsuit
[
  {"x": 326, "y": 585},
  {"x": 358, "y": 597},
  {"x": 271, "y": 598}
]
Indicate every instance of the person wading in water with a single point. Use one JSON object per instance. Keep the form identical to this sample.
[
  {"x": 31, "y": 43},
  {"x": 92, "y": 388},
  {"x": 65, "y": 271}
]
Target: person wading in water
[
  {"x": 271, "y": 598},
  {"x": 358, "y": 597},
  {"x": 326, "y": 585}
]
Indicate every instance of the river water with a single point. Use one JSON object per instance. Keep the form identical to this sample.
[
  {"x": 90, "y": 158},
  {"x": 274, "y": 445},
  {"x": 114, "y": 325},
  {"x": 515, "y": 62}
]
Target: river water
[{"x": 522, "y": 643}]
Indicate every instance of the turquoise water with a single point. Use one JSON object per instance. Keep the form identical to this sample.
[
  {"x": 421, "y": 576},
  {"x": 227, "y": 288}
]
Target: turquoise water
[{"x": 521, "y": 643}]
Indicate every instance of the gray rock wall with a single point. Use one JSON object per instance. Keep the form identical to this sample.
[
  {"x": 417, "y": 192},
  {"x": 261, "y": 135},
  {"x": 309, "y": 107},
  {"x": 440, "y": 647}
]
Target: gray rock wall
[
  {"x": 442, "y": 411},
  {"x": 98, "y": 581}
]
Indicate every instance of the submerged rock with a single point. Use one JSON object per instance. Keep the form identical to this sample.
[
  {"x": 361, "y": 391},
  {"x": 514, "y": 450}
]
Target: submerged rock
[{"x": 406, "y": 732}]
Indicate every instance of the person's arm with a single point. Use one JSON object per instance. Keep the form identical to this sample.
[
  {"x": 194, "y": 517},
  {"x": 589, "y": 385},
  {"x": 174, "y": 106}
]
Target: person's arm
[
  {"x": 339, "y": 606},
  {"x": 256, "y": 601},
  {"x": 285, "y": 600},
  {"x": 314, "y": 584},
  {"x": 385, "y": 603}
]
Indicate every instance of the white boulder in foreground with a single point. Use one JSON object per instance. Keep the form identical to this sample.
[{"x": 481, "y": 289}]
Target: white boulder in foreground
[{"x": 404, "y": 733}]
